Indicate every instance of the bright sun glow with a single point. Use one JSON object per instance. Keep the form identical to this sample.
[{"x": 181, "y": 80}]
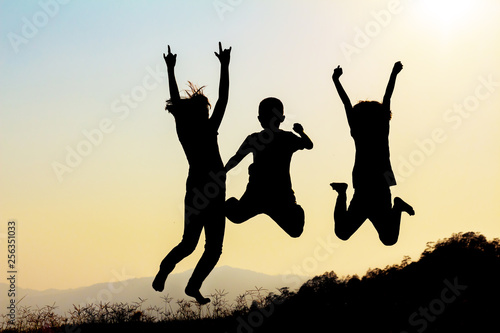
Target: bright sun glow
[
  {"x": 446, "y": 13},
  {"x": 93, "y": 172}
]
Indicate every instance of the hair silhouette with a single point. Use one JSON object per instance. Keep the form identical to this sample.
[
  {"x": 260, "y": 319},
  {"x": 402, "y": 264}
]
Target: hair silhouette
[
  {"x": 195, "y": 103},
  {"x": 197, "y": 133},
  {"x": 269, "y": 190},
  {"x": 372, "y": 174}
]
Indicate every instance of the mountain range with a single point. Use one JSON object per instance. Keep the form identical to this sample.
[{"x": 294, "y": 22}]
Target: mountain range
[{"x": 225, "y": 279}]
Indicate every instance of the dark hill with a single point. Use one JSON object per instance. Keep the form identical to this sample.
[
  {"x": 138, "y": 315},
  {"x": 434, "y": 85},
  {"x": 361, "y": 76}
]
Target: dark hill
[{"x": 454, "y": 287}]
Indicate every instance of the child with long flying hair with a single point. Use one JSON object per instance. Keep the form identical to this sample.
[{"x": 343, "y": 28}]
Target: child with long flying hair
[{"x": 205, "y": 186}]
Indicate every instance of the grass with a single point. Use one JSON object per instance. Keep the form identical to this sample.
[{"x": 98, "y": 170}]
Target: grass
[{"x": 45, "y": 319}]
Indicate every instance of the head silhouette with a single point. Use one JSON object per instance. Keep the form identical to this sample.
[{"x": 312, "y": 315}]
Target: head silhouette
[
  {"x": 370, "y": 114},
  {"x": 271, "y": 113},
  {"x": 194, "y": 107}
]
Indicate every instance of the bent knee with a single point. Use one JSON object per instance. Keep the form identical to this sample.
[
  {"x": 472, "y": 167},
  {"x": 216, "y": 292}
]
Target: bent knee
[
  {"x": 233, "y": 211},
  {"x": 235, "y": 218},
  {"x": 343, "y": 235},
  {"x": 231, "y": 202},
  {"x": 295, "y": 224},
  {"x": 295, "y": 233},
  {"x": 389, "y": 241}
]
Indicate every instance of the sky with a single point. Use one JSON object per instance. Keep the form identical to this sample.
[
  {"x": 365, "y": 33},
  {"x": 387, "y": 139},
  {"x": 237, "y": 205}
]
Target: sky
[{"x": 93, "y": 174}]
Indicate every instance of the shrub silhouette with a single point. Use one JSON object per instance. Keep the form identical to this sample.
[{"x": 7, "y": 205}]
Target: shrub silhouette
[
  {"x": 385, "y": 300},
  {"x": 408, "y": 297}
]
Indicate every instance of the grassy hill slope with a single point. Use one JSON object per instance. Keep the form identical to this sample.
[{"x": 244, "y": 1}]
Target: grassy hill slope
[{"x": 453, "y": 287}]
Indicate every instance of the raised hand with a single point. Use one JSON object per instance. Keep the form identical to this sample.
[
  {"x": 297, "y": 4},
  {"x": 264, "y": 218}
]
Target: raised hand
[
  {"x": 308, "y": 144},
  {"x": 298, "y": 128},
  {"x": 337, "y": 72},
  {"x": 398, "y": 66},
  {"x": 223, "y": 55},
  {"x": 170, "y": 58}
]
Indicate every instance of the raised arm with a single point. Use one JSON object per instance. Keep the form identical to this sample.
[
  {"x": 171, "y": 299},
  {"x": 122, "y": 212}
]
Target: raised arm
[
  {"x": 243, "y": 151},
  {"x": 308, "y": 144},
  {"x": 172, "y": 84},
  {"x": 337, "y": 72},
  {"x": 220, "y": 106},
  {"x": 392, "y": 82}
]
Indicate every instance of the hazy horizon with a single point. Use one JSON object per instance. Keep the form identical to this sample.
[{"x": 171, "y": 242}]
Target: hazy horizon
[
  {"x": 93, "y": 173},
  {"x": 122, "y": 276},
  {"x": 236, "y": 282}
]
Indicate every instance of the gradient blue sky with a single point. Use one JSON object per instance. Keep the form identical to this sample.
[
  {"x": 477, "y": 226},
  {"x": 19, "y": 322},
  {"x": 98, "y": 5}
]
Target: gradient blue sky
[{"x": 93, "y": 65}]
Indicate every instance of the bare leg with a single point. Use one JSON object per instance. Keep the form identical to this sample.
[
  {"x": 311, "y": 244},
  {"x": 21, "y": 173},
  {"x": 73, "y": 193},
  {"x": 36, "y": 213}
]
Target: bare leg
[
  {"x": 187, "y": 245},
  {"x": 388, "y": 224},
  {"x": 192, "y": 231},
  {"x": 290, "y": 217},
  {"x": 402, "y": 206},
  {"x": 347, "y": 221},
  {"x": 239, "y": 211},
  {"x": 339, "y": 187},
  {"x": 214, "y": 236}
]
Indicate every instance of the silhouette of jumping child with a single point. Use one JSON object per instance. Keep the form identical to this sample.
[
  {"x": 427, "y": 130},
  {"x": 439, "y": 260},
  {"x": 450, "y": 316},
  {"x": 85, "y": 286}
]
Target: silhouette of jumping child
[
  {"x": 372, "y": 174},
  {"x": 205, "y": 195},
  {"x": 269, "y": 189}
]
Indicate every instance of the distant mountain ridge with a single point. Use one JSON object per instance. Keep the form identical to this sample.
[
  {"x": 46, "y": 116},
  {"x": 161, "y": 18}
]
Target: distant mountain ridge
[{"x": 233, "y": 281}]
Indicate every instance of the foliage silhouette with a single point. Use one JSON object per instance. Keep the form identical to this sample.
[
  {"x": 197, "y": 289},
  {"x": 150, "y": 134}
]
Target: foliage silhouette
[{"x": 392, "y": 299}]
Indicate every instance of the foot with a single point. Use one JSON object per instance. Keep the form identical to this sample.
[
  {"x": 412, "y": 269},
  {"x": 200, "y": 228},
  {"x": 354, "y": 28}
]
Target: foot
[
  {"x": 197, "y": 295},
  {"x": 159, "y": 281},
  {"x": 399, "y": 204},
  {"x": 339, "y": 187}
]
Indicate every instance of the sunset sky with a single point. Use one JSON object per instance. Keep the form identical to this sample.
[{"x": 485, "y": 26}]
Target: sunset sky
[{"x": 92, "y": 171}]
